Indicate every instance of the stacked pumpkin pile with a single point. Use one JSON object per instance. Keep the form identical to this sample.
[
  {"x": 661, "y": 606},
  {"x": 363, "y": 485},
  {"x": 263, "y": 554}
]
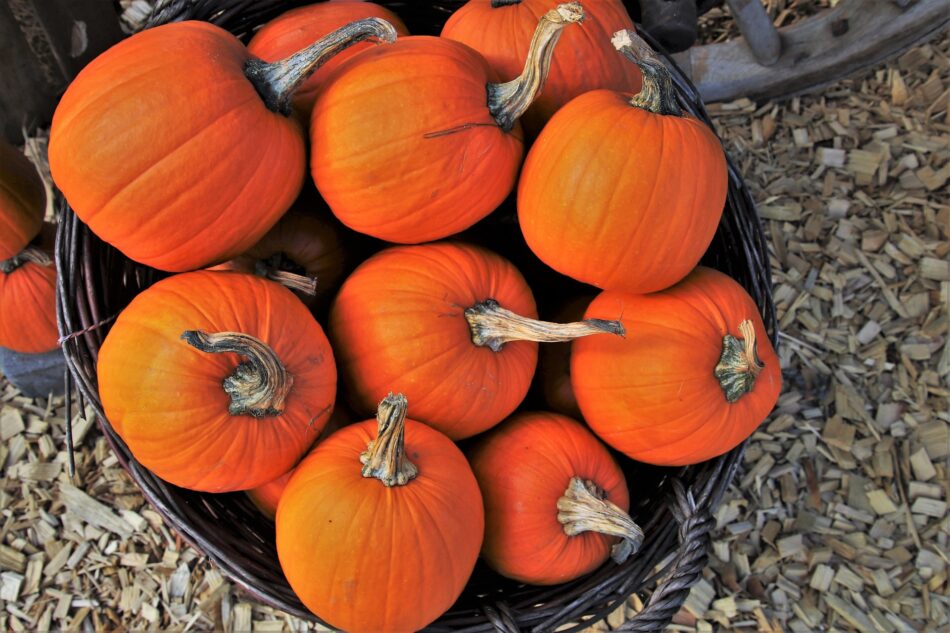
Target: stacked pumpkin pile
[
  {"x": 184, "y": 150},
  {"x": 27, "y": 274}
]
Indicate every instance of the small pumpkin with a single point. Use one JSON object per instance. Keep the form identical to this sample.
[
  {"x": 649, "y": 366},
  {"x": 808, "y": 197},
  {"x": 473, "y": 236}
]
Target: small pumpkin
[
  {"x": 692, "y": 380},
  {"x": 417, "y": 142},
  {"x": 28, "y": 303},
  {"x": 175, "y": 145},
  {"x": 291, "y": 31},
  {"x": 555, "y": 500},
  {"x": 266, "y": 497},
  {"x": 217, "y": 381},
  {"x": 22, "y": 201},
  {"x": 501, "y": 31},
  {"x": 302, "y": 251},
  {"x": 624, "y": 194},
  {"x": 380, "y": 526},
  {"x": 450, "y": 325},
  {"x": 554, "y": 363}
]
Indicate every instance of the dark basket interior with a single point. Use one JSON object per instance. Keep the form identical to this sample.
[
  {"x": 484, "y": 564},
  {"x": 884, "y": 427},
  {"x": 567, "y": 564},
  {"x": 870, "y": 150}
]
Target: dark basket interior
[{"x": 673, "y": 505}]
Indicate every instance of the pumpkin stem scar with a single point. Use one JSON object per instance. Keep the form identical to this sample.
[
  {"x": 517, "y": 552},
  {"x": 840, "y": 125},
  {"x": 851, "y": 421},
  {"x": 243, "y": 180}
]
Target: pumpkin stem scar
[
  {"x": 739, "y": 365},
  {"x": 29, "y": 254},
  {"x": 492, "y": 326},
  {"x": 276, "y": 81},
  {"x": 385, "y": 457},
  {"x": 585, "y": 508},
  {"x": 508, "y": 101},
  {"x": 657, "y": 94},
  {"x": 260, "y": 385}
]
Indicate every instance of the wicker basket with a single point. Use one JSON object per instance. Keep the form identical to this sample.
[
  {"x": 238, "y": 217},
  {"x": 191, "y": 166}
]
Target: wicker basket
[{"x": 673, "y": 505}]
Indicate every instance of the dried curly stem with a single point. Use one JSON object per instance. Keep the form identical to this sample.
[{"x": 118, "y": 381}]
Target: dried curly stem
[
  {"x": 31, "y": 254},
  {"x": 739, "y": 365},
  {"x": 492, "y": 326},
  {"x": 585, "y": 508},
  {"x": 508, "y": 101},
  {"x": 259, "y": 386},
  {"x": 277, "y": 81},
  {"x": 385, "y": 457},
  {"x": 657, "y": 94}
]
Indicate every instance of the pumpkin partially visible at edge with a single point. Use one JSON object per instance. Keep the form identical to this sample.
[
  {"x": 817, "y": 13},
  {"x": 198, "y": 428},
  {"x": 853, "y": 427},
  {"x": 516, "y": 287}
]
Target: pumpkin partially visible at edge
[{"x": 22, "y": 201}]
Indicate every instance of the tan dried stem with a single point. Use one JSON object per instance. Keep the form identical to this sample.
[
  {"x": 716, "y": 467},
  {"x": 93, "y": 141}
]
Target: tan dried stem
[
  {"x": 508, "y": 101},
  {"x": 492, "y": 326},
  {"x": 657, "y": 94},
  {"x": 260, "y": 385},
  {"x": 385, "y": 457},
  {"x": 32, "y": 254},
  {"x": 585, "y": 508}
]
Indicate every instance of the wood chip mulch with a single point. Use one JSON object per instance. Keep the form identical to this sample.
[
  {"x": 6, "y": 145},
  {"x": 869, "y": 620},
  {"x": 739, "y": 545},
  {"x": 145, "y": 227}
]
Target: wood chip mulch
[{"x": 838, "y": 519}]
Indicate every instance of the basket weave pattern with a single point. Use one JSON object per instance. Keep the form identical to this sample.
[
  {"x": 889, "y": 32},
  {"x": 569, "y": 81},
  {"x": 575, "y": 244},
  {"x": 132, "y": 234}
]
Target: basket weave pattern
[{"x": 673, "y": 505}]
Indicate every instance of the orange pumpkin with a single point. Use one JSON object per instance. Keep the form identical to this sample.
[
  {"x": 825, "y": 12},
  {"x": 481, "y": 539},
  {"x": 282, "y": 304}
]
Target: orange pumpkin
[
  {"x": 22, "y": 201},
  {"x": 623, "y": 194},
  {"x": 416, "y": 142},
  {"x": 217, "y": 381},
  {"x": 291, "y": 31},
  {"x": 267, "y": 496},
  {"x": 302, "y": 251},
  {"x": 447, "y": 324},
  {"x": 694, "y": 377},
  {"x": 380, "y": 526},
  {"x": 175, "y": 145},
  {"x": 555, "y": 500},
  {"x": 28, "y": 305},
  {"x": 501, "y": 31}
]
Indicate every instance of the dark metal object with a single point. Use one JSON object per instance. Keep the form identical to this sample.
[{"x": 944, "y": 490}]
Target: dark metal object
[
  {"x": 671, "y": 22},
  {"x": 36, "y": 375},
  {"x": 673, "y": 505},
  {"x": 43, "y": 44}
]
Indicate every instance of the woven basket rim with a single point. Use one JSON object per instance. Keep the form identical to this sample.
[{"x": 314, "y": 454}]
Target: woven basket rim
[{"x": 93, "y": 278}]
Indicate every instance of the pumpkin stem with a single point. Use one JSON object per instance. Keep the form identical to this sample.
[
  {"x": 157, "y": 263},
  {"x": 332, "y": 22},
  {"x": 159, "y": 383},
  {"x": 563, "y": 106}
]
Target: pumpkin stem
[
  {"x": 503, "y": 3},
  {"x": 29, "y": 254},
  {"x": 739, "y": 364},
  {"x": 492, "y": 326},
  {"x": 657, "y": 94},
  {"x": 508, "y": 101},
  {"x": 585, "y": 508},
  {"x": 276, "y": 81},
  {"x": 259, "y": 386},
  {"x": 385, "y": 457},
  {"x": 275, "y": 269}
]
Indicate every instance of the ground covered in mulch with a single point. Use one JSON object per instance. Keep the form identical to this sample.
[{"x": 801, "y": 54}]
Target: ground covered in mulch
[{"x": 838, "y": 519}]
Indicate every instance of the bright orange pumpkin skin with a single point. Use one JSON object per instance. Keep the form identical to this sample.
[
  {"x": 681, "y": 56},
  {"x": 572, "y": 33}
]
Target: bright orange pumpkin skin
[
  {"x": 365, "y": 557},
  {"x": 28, "y": 309},
  {"x": 298, "y": 28},
  {"x": 403, "y": 146},
  {"x": 165, "y": 399},
  {"x": 585, "y": 59},
  {"x": 653, "y": 394},
  {"x": 523, "y": 467},
  {"x": 397, "y": 324},
  {"x": 166, "y": 151},
  {"x": 22, "y": 201},
  {"x": 621, "y": 198}
]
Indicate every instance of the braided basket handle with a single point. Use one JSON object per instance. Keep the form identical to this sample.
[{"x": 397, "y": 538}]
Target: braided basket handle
[{"x": 696, "y": 524}]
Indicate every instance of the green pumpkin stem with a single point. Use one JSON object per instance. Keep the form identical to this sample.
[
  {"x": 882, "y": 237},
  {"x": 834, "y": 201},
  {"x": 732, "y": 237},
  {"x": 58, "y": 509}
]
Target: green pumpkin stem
[
  {"x": 657, "y": 94},
  {"x": 508, "y": 101},
  {"x": 492, "y": 326},
  {"x": 31, "y": 254},
  {"x": 585, "y": 508},
  {"x": 739, "y": 364},
  {"x": 385, "y": 457},
  {"x": 260, "y": 385},
  {"x": 277, "y": 81}
]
